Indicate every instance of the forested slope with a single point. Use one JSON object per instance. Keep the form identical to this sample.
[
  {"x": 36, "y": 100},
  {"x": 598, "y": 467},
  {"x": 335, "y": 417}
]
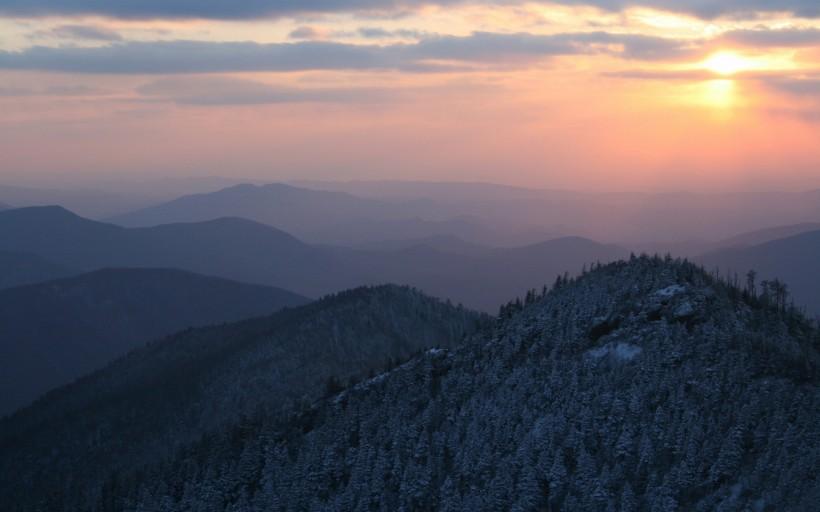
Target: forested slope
[
  {"x": 642, "y": 386},
  {"x": 56, "y": 331},
  {"x": 138, "y": 410}
]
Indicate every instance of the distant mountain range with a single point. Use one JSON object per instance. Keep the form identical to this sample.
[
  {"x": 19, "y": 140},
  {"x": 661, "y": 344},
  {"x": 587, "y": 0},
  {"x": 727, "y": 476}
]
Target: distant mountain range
[
  {"x": 17, "y": 269},
  {"x": 655, "y": 221},
  {"x": 57, "y": 331},
  {"x": 319, "y": 216},
  {"x": 231, "y": 248},
  {"x": 282, "y": 206},
  {"x": 762, "y": 236},
  {"x": 359, "y": 213},
  {"x": 443, "y": 265},
  {"x": 443, "y": 243},
  {"x": 141, "y": 408},
  {"x": 252, "y": 252},
  {"x": 90, "y": 203},
  {"x": 645, "y": 385},
  {"x": 794, "y": 260},
  {"x": 482, "y": 278}
]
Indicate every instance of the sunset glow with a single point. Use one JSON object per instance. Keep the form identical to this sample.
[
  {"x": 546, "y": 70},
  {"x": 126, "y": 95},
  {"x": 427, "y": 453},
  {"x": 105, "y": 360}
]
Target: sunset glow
[
  {"x": 461, "y": 90},
  {"x": 719, "y": 93},
  {"x": 728, "y": 63}
]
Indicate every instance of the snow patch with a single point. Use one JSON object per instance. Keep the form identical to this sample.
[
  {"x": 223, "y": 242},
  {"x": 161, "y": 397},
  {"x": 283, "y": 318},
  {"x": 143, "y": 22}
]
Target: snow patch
[
  {"x": 599, "y": 320},
  {"x": 685, "y": 310},
  {"x": 621, "y": 351},
  {"x": 371, "y": 381},
  {"x": 670, "y": 291}
]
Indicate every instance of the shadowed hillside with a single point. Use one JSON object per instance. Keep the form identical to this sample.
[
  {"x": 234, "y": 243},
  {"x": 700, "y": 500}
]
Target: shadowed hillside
[
  {"x": 17, "y": 269},
  {"x": 792, "y": 260},
  {"x": 139, "y": 409},
  {"x": 56, "y": 331}
]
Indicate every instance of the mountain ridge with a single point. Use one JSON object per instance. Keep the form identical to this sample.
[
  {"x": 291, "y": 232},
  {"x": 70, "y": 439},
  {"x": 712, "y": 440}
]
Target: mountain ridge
[
  {"x": 18, "y": 269},
  {"x": 249, "y": 251},
  {"x": 765, "y": 235},
  {"x": 321, "y": 216},
  {"x": 261, "y": 203},
  {"x": 59, "y": 330},
  {"x": 88, "y": 202},
  {"x": 791, "y": 260},
  {"x": 176, "y": 389},
  {"x": 231, "y": 248}
]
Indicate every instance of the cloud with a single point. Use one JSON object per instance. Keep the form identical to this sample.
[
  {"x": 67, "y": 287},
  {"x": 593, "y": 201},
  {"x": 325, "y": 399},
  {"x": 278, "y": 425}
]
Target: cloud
[
  {"x": 709, "y": 9},
  {"x": 494, "y": 47},
  {"x": 85, "y": 32},
  {"x": 173, "y": 57},
  {"x": 210, "y": 9},
  {"x": 782, "y": 80},
  {"x": 792, "y": 37},
  {"x": 228, "y": 9},
  {"x": 642, "y": 47},
  {"x": 164, "y": 57},
  {"x": 218, "y": 91},
  {"x": 306, "y": 32},
  {"x": 381, "y": 33},
  {"x": 796, "y": 86},
  {"x": 693, "y": 75},
  {"x": 53, "y": 90}
]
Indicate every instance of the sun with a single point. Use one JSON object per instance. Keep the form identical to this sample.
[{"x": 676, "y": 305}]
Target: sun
[{"x": 727, "y": 63}]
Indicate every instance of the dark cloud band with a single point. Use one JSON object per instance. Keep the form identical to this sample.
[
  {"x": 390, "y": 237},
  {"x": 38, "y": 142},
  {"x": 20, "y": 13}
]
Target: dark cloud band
[
  {"x": 219, "y": 91},
  {"x": 172, "y": 57},
  {"x": 775, "y": 38},
  {"x": 211, "y": 9},
  {"x": 168, "y": 57},
  {"x": 228, "y": 9},
  {"x": 711, "y": 8}
]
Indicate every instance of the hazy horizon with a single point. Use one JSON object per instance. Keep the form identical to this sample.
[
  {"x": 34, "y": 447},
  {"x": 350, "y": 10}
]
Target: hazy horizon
[{"x": 109, "y": 181}]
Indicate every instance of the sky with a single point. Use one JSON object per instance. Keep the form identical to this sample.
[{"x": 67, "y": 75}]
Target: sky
[{"x": 581, "y": 94}]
